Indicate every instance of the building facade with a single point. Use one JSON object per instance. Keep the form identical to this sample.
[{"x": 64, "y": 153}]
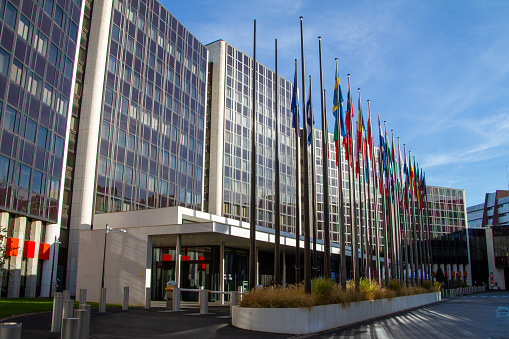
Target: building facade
[{"x": 494, "y": 211}]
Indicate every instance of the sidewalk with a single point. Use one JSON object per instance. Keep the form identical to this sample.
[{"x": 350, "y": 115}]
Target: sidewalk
[{"x": 156, "y": 322}]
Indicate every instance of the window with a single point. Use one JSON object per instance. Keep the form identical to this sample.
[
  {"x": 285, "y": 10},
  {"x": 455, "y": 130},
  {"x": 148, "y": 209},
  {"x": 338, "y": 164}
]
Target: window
[
  {"x": 53, "y": 55},
  {"x": 40, "y": 43},
  {"x": 121, "y": 137},
  {"x": 17, "y": 72},
  {"x": 102, "y": 166},
  {"x": 146, "y": 118},
  {"x": 58, "y": 146},
  {"x": 68, "y": 68},
  {"x": 4, "y": 61},
  {"x": 112, "y": 64},
  {"x": 139, "y": 51},
  {"x": 11, "y": 119},
  {"x": 153, "y": 152},
  {"x": 166, "y": 157},
  {"x": 127, "y": 74},
  {"x": 23, "y": 176},
  {"x": 159, "y": 66},
  {"x": 151, "y": 60},
  {"x": 115, "y": 34},
  {"x": 48, "y": 6},
  {"x": 124, "y": 105},
  {"x": 39, "y": 182},
  {"x": 5, "y": 169},
  {"x": 30, "y": 128},
  {"x": 119, "y": 172},
  {"x": 10, "y": 15},
  {"x": 62, "y": 103},
  {"x": 42, "y": 137},
  {"x": 144, "y": 148},
  {"x": 136, "y": 80},
  {"x": 131, "y": 142},
  {"x": 24, "y": 28},
  {"x": 157, "y": 96},
  {"x": 149, "y": 88},
  {"x": 129, "y": 43},
  {"x": 155, "y": 122},
  {"x": 55, "y": 187},
  {"x": 168, "y": 101},
  {"x": 59, "y": 16},
  {"x": 177, "y": 80},
  {"x": 142, "y": 180},
  {"x": 133, "y": 112},
  {"x": 128, "y": 175},
  {"x": 34, "y": 85},
  {"x": 73, "y": 30},
  {"x": 141, "y": 22}
]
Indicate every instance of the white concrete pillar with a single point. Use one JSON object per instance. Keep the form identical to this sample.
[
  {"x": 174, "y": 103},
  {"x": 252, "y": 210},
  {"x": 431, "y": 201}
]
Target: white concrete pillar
[
  {"x": 4, "y": 224},
  {"x": 52, "y": 233},
  {"x": 221, "y": 271},
  {"x": 31, "y": 275},
  {"x": 15, "y": 263},
  {"x": 178, "y": 263}
]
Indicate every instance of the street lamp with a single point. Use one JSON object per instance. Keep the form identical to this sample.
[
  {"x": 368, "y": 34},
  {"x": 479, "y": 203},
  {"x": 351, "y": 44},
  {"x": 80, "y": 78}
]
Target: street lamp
[
  {"x": 102, "y": 303},
  {"x": 57, "y": 241},
  {"x": 108, "y": 230}
]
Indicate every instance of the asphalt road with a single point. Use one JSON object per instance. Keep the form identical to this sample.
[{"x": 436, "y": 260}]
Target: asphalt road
[{"x": 483, "y": 315}]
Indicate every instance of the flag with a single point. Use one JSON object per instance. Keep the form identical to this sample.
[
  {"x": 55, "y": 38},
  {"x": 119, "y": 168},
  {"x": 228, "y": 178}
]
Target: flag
[
  {"x": 369, "y": 136},
  {"x": 348, "y": 121},
  {"x": 295, "y": 103},
  {"x": 360, "y": 135},
  {"x": 310, "y": 117},
  {"x": 337, "y": 111}
]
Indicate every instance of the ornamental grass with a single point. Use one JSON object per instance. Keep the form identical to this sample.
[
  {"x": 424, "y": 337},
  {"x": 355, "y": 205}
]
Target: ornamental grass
[{"x": 326, "y": 291}]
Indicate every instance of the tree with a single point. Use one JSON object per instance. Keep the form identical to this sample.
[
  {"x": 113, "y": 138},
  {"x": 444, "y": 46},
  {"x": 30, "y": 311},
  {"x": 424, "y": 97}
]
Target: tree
[{"x": 440, "y": 275}]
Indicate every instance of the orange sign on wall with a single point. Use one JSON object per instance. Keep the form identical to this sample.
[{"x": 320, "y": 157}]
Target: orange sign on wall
[
  {"x": 11, "y": 247},
  {"x": 44, "y": 251}
]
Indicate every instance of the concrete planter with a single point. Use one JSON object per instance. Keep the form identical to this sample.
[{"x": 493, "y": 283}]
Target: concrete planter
[{"x": 321, "y": 318}]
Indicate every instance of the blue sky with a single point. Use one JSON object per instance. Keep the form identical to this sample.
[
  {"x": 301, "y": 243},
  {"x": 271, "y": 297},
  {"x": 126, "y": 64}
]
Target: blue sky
[{"x": 436, "y": 71}]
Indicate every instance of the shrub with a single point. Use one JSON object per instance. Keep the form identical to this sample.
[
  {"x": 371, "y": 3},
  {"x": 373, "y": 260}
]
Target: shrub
[
  {"x": 322, "y": 287},
  {"x": 369, "y": 288},
  {"x": 395, "y": 285},
  {"x": 427, "y": 284}
]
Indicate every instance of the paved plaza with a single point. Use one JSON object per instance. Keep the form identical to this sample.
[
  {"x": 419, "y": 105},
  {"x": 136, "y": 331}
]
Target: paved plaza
[{"x": 483, "y": 315}]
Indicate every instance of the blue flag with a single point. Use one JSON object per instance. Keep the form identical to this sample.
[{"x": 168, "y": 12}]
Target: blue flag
[{"x": 295, "y": 105}]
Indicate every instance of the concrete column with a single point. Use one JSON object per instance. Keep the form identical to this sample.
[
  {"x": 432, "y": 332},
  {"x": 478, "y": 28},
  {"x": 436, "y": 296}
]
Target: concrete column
[
  {"x": 178, "y": 262},
  {"x": 48, "y": 266},
  {"x": 4, "y": 224},
  {"x": 15, "y": 262},
  {"x": 31, "y": 275},
  {"x": 221, "y": 271}
]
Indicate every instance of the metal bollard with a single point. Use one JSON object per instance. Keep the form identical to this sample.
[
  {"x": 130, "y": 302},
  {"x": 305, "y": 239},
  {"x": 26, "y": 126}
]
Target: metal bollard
[
  {"x": 147, "y": 297},
  {"x": 102, "y": 301},
  {"x": 56, "y": 320},
  {"x": 82, "y": 318},
  {"x": 10, "y": 330},
  {"x": 69, "y": 328},
  {"x": 68, "y": 309},
  {"x": 83, "y": 296},
  {"x": 125, "y": 303},
  {"x": 169, "y": 299},
  {"x": 233, "y": 300},
  {"x": 203, "y": 299},
  {"x": 88, "y": 309},
  {"x": 67, "y": 294},
  {"x": 176, "y": 299}
]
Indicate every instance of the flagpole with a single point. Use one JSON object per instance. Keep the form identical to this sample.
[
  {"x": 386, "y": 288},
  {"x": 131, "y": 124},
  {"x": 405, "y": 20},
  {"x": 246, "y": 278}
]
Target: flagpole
[
  {"x": 313, "y": 181},
  {"x": 398, "y": 215},
  {"x": 277, "y": 212},
  {"x": 325, "y": 168},
  {"x": 360, "y": 167},
  {"x": 404, "y": 232},
  {"x": 430, "y": 253},
  {"x": 339, "y": 160},
  {"x": 298, "y": 218},
  {"x": 396, "y": 234},
  {"x": 421, "y": 235},
  {"x": 355, "y": 256},
  {"x": 307, "y": 262},
  {"x": 411, "y": 252},
  {"x": 414, "y": 232},
  {"x": 385, "y": 214},
  {"x": 369, "y": 225},
  {"x": 252, "y": 219}
]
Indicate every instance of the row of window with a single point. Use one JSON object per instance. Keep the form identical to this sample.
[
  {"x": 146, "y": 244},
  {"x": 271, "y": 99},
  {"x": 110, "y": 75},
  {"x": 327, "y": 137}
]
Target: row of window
[{"x": 22, "y": 176}]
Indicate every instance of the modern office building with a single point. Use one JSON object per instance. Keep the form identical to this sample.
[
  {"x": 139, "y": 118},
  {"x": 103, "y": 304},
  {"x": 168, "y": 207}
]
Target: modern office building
[
  {"x": 38, "y": 51},
  {"x": 494, "y": 211}
]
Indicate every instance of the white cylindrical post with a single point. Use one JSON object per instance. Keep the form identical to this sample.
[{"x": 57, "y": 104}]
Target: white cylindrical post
[
  {"x": 204, "y": 301},
  {"x": 147, "y": 297},
  {"x": 125, "y": 303},
  {"x": 83, "y": 296},
  {"x": 69, "y": 328},
  {"x": 233, "y": 300},
  {"x": 67, "y": 294},
  {"x": 176, "y": 299},
  {"x": 56, "y": 320},
  {"x": 10, "y": 330},
  {"x": 88, "y": 309},
  {"x": 68, "y": 309},
  {"x": 82, "y": 318},
  {"x": 102, "y": 302}
]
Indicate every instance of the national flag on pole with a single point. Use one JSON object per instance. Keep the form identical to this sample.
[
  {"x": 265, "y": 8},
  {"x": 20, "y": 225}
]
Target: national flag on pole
[
  {"x": 369, "y": 136},
  {"x": 310, "y": 117},
  {"x": 337, "y": 111},
  {"x": 295, "y": 103}
]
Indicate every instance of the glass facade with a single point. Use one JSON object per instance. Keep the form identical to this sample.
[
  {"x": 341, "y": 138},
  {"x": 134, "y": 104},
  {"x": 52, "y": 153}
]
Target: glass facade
[
  {"x": 237, "y": 142},
  {"x": 152, "y": 130},
  {"x": 37, "y": 50},
  {"x": 446, "y": 210}
]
